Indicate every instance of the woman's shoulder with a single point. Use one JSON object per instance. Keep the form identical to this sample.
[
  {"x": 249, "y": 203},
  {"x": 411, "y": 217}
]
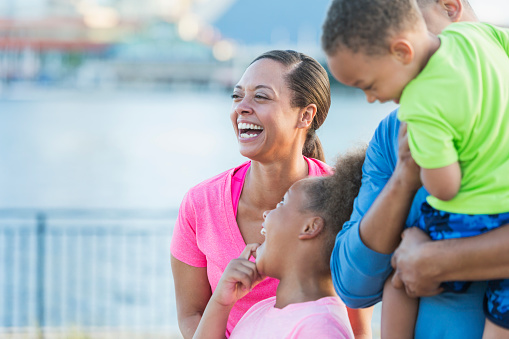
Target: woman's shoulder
[
  {"x": 318, "y": 168},
  {"x": 215, "y": 184}
]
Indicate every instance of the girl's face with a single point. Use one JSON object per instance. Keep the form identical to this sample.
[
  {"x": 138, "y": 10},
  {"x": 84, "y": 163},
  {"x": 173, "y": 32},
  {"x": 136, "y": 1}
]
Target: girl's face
[
  {"x": 263, "y": 120},
  {"x": 281, "y": 228}
]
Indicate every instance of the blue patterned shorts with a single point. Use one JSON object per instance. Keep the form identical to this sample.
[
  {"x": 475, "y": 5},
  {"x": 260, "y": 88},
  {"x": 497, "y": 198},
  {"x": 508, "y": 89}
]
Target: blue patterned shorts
[{"x": 443, "y": 225}]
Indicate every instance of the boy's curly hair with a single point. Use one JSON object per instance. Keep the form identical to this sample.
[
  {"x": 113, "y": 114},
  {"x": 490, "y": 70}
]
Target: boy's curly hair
[
  {"x": 332, "y": 197},
  {"x": 366, "y": 25}
]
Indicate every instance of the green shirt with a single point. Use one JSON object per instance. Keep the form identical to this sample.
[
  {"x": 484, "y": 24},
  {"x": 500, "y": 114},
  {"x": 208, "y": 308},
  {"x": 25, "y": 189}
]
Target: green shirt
[{"x": 457, "y": 109}]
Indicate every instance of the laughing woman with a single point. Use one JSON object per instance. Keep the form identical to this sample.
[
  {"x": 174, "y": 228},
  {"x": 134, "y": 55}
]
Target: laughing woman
[{"x": 278, "y": 104}]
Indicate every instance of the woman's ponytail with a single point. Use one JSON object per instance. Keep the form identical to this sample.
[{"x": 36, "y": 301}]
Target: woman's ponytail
[{"x": 313, "y": 147}]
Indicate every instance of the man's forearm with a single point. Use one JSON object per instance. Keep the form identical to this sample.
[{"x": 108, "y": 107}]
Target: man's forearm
[
  {"x": 381, "y": 227},
  {"x": 483, "y": 257}
]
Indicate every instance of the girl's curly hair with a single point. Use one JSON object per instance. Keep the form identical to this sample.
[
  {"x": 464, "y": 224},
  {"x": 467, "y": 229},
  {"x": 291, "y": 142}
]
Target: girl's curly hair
[{"x": 332, "y": 197}]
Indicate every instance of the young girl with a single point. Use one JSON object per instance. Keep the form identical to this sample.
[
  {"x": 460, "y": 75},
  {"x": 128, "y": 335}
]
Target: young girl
[{"x": 299, "y": 237}]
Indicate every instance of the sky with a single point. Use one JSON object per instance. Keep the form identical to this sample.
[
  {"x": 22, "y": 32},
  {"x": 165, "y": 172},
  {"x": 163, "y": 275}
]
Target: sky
[{"x": 494, "y": 11}]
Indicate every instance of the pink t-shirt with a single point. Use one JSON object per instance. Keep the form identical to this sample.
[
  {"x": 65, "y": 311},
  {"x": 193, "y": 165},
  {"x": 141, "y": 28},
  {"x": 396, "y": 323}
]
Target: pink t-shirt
[
  {"x": 237, "y": 183},
  {"x": 206, "y": 234},
  {"x": 323, "y": 318}
]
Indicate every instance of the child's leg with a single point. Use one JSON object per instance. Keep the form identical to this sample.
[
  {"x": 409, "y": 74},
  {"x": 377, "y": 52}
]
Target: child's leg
[
  {"x": 496, "y": 308},
  {"x": 492, "y": 331},
  {"x": 399, "y": 313}
]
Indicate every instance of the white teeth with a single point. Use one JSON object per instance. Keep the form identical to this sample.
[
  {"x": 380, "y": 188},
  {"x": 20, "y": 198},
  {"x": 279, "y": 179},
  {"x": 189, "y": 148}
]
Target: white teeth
[
  {"x": 243, "y": 125},
  {"x": 263, "y": 231},
  {"x": 245, "y": 135}
]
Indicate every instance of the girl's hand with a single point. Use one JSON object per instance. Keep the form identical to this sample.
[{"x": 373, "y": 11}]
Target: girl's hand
[{"x": 238, "y": 279}]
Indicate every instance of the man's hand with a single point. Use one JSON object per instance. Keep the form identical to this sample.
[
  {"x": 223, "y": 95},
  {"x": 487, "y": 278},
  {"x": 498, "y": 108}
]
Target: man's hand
[
  {"x": 407, "y": 171},
  {"x": 238, "y": 279},
  {"x": 412, "y": 271}
]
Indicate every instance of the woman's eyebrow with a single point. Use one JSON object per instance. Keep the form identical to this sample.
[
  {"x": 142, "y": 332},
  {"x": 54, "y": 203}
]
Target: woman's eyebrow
[
  {"x": 266, "y": 87},
  {"x": 256, "y": 87},
  {"x": 263, "y": 86}
]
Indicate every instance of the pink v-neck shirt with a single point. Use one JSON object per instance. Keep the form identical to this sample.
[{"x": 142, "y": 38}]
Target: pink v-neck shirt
[
  {"x": 206, "y": 233},
  {"x": 325, "y": 318}
]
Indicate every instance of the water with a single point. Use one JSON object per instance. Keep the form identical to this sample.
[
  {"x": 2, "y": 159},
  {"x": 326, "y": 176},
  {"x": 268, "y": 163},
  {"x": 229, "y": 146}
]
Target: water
[
  {"x": 130, "y": 149},
  {"x": 134, "y": 148}
]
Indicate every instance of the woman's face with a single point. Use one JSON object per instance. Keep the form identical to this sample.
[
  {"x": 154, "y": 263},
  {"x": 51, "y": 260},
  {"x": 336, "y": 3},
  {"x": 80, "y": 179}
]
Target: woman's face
[
  {"x": 281, "y": 228},
  {"x": 262, "y": 117}
]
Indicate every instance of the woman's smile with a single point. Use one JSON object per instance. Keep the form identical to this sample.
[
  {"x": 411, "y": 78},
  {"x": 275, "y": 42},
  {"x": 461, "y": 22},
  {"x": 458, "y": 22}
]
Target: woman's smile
[{"x": 248, "y": 130}]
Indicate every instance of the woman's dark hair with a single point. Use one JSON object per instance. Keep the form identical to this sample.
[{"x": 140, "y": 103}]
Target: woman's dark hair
[
  {"x": 332, "y": 197},
  {"x": 309, "y": 83}
]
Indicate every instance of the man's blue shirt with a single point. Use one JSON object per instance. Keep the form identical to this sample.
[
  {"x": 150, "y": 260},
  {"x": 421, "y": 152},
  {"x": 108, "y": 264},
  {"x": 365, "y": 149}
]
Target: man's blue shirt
[{"x": 359, "y": 273}]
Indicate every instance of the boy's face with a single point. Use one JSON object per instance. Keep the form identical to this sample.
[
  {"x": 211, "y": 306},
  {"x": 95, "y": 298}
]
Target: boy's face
[
  {"x": 381, "y": 77},
  {"x": 281, "y": 227}
]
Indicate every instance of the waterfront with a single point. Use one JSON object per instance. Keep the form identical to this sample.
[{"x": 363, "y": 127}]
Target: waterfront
[
  {"x": 136, "y": 148},
  {"x": 65, "y": 151},
  {"x": 98, "y": 147}
]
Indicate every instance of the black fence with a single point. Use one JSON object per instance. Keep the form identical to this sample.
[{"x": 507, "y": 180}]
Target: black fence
[{"x": 106, "y": 271}]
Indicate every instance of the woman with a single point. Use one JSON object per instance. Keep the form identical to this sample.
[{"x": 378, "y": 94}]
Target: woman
[{"x": 278, "y": 104}]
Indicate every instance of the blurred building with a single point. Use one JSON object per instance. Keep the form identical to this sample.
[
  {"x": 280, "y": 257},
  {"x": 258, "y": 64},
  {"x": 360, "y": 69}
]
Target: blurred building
[
  {"x": 90, "y": 42},
  {"x": 111, "y": 42}
]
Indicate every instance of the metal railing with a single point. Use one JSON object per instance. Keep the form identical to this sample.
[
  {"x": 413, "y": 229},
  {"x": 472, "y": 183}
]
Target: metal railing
[{"x": 106, "y": 271}]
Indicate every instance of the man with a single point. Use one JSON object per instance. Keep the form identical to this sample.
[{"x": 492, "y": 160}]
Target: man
[{"x": 390, "y": 192}]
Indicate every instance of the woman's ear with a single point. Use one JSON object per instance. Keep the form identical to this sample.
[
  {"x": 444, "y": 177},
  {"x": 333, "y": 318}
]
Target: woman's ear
[
  {"x": 313, "y": 228},
  {"x": 307, "y": 114},
  {"x": 402, "y": 50},
  {"x": 454, "y": 9}
]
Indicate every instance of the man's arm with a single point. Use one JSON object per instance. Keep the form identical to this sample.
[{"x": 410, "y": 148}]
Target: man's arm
[
  {"x": 360, "y": 262},
  {"x": 381, "y": 227},
  {"x": 422, "y": 264}
]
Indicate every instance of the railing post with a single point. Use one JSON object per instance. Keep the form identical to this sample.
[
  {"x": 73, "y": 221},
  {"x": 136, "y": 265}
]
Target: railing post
[{"x": 40, "y": 270}]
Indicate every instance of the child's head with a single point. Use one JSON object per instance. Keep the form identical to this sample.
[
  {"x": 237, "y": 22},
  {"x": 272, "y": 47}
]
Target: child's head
[
  {"x": 375, "y": 45},
  {"x": 306, "y": 222}
]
